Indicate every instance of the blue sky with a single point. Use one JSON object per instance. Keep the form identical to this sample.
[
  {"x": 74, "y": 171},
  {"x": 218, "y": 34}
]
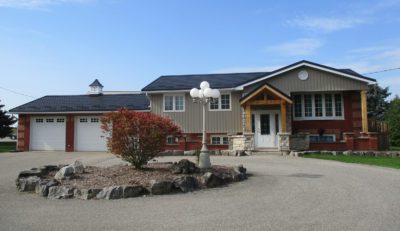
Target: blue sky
[{"x": 51, "y": 47}]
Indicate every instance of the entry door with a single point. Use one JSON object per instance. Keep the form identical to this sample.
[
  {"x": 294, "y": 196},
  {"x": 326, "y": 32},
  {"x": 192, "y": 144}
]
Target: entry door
[{"x": 266, "y": 128}]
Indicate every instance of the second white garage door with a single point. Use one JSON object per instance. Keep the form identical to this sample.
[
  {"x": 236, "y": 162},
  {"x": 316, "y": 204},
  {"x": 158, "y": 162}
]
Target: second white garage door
[{"x": 88, "y": 134}]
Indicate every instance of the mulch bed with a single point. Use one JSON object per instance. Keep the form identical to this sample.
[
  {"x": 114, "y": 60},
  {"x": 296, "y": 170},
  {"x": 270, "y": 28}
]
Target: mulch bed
[{"x": 100, "y": 177}]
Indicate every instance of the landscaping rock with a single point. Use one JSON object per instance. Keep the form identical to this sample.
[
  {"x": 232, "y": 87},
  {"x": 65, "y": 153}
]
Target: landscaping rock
[
  {"x": 133, "y": 191},
  {"x": 60, "y": 192},
  {"x": 86, "y": 194},
  {"x": 189, "y": 153},
  {"x": 111, "y": 193},
  {"x": 27, "y": 184},
  {"x": 348, "y": 153},
  {"x": 184, "y": 166},
  {"x": 160, "y": 187},
  {"x": 211, "y": 180},
  {"x": 78, "y": 167},
  {"x": 64, "y": 173},
  {"x": 239, "y": 173},
  {"x": 33, "y": 172},
  {"x": 186, "y": 183},
  {"x": 42, "y": 187},
  {"x": 177, "y": 153}
]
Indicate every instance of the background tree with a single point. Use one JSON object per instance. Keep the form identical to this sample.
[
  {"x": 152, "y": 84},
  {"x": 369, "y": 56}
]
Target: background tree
[
  {"x": 377, "y": 104},
  {"x": 137, "y": 136},
  {"x": 393, "y": 118},
  {"x": 5, "y": 123}
]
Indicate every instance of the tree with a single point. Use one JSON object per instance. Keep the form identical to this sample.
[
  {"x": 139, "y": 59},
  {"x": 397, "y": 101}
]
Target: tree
[
  {"x": 377, "y": 104},
  {"x": 393, "y": 118},
  {"x": 5, "y": 123},
  {"x": 137, "y": 136}
]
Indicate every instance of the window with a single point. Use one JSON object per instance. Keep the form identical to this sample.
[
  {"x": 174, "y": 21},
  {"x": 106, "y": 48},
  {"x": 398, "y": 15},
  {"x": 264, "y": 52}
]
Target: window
[
  {"x": 318, "y": 106},
  {"x": 253, "y": 123},
  {"x": 83, "y": 120},
  {"x": 264, "y": 122},
  {"x": 322, "y": 139},
  {"x": 328, "y": 105},
  {"x": 219, "y": 140},
  {"x": 307, "y": 106},
  {"x": 338, "y": 105},
  {"x": 171, "y": 140},
  {"x": 298, "y": 109},
  {"x": 94, "y": 120},
  {"x": 221, "y": 104},
  {"x": 174, "y": 103},
  {"x": 49, "y": 120},
  {"x": 39, "y": 120},
  {"x": 60, "y": 120}
]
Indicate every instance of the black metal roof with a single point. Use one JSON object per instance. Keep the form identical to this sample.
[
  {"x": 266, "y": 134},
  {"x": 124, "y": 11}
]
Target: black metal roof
[
  {"x": 84, "y": 103},
  {"x": 229, "y": 80},
  {"x": 96, "y": 83}
]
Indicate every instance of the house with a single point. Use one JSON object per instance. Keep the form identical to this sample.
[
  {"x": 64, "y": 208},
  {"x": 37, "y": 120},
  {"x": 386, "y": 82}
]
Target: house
[{"x": 304, "y": 105}]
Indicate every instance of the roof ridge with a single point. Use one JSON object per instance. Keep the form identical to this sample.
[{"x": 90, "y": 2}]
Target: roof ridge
[{"x": 232, "y": 73}]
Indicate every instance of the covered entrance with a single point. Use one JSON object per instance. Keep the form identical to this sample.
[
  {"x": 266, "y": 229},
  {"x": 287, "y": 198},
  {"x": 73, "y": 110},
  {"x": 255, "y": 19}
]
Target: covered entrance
[{"x": 265, "y": 115}]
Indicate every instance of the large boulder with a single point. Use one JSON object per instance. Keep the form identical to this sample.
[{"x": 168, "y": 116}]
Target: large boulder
[
  {"x": 239, "y": 173},
  {"x": 211, "y": 180},
  {"x": 60, "y": 192},
  {"x": 133, "y": 191},
  {"x": 42, "y": 187},
  {"x": 111, "y": 193},
  {"x": 184, "y": 166},
  {"x": 78, "y": 167},
  {"x": 64, "y": 173},
  {"x": 33, "y": 172},
  {"x": 160, "y": 187},
  {"x": 86, "y": 194},
  {"x": 27, "y": 184},
  {"x": 186, "y": 183}
]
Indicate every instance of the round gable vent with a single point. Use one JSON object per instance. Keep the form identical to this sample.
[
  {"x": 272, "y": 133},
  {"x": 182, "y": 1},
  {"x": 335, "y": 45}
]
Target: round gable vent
[{"x": 303, "y": 75}]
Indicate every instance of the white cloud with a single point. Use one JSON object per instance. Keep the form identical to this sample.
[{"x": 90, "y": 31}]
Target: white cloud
[
  {"x": 298, "y": 47},
  {"x": 327, "y": 24},
  {"x": 36, "y": 4}
]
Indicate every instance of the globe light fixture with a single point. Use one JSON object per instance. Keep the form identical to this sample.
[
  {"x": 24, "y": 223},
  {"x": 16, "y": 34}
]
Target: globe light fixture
[{"x": 204, "y": 95}]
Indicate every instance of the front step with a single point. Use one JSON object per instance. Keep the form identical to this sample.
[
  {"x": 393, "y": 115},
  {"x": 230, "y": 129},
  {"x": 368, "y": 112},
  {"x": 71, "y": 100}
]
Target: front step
[{"x": 267, "y": 151}]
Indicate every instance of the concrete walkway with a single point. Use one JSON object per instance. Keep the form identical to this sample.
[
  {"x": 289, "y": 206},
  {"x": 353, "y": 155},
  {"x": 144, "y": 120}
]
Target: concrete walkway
[{"x": 283, "y": 194}]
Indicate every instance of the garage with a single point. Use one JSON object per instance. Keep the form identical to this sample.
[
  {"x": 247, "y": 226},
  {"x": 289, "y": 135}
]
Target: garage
[
  {"x": 48, "y": 133},
  {"x": 88, "y": 134}
]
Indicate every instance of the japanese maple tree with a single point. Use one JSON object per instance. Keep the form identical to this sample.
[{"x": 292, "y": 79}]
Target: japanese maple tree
[{"x": 137, "y": 136}]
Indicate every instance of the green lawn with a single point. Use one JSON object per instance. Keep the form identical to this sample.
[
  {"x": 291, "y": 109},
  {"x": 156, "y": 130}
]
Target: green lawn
[
  {"x": 379, "y": 161},
  {"x": 7, "y": 146}
]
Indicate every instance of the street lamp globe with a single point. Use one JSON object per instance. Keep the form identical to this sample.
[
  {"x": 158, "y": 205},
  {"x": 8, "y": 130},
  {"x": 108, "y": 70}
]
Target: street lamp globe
[
  {"x": 204, "y": 85},
  {"x": 194, "y": 93}
]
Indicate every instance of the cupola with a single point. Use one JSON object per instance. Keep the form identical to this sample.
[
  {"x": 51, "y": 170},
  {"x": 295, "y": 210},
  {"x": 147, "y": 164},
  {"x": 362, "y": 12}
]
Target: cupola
[{"x": 96, "y": 88}]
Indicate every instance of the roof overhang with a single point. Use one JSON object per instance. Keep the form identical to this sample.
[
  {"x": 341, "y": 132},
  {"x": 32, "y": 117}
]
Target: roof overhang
[
  {"x": 267, "y": 88},
  {"x": 186, "y": 90},
  {"x": 69, "y": 112},
  {"x": 289, "y": 68}
]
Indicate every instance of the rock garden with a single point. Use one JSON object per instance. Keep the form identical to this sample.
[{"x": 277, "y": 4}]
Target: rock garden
[{"x": 124, "y": 181}]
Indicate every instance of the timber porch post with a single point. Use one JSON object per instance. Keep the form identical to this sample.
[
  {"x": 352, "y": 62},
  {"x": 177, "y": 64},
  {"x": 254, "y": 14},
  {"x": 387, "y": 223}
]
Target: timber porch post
[{"x": 364, "y": 114}]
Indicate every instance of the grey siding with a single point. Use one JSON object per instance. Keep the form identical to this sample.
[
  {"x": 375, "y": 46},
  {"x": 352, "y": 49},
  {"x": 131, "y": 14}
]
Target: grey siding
[
  {"x": 191, "y": 119},
  {"x": 317, "y": 81}
]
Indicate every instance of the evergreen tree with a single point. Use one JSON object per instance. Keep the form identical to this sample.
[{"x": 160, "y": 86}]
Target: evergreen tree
[
  {"x": 393, "y": 118},
  {"x": 5, "y": 123},
  {"x": 377, "y": 104}
]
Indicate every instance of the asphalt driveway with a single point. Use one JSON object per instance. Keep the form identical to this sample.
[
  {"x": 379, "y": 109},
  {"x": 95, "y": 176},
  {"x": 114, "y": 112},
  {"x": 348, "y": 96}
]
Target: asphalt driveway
[{"x": 284, "y": 193}]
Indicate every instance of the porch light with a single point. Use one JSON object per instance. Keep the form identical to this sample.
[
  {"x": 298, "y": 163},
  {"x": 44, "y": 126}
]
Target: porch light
[{"x": 204, "y": 96}]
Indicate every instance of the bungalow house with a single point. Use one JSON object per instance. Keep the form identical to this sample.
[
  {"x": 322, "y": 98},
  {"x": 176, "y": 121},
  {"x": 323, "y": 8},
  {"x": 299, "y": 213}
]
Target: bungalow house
[{"x": 301, "y": 106}]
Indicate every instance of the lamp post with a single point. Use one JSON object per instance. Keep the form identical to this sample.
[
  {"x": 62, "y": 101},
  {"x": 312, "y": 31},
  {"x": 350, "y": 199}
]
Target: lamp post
[{"x": 204, "y": 96}]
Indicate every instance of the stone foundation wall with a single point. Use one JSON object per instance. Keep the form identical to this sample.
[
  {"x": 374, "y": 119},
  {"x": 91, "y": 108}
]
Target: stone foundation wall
[
  {"x": 299, "y": 142},
  {"x": 243, "y": 142}
]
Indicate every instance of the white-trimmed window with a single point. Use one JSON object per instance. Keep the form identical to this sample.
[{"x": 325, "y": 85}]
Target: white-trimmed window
[
  {"x": 325, "y": 138},
  {"x": 219, "y": 140},
  {"x": 60, "y": 120},
  {"x": 318, "y": 106},
  {"x": 174, "y": 103},
  {"x": 172, "y": 140},
  {"x": 83, "y": 120},
  {"x": 223, "y": 103},
  {"x": 39, "y": 120},
  {"x": 49, "y": 120},
  {"x": 94, "y": 120}
]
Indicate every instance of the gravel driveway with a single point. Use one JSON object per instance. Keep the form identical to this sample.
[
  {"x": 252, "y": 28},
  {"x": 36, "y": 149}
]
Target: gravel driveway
[{"x": 284, "y": 193}]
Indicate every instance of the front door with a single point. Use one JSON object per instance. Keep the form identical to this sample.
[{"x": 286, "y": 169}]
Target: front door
[{"x": 266, "y": 126}]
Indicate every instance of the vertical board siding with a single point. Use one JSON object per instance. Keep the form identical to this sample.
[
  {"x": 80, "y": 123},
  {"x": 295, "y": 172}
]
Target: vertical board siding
[
  {"x": 317, "y": 81},
  {"x": 191, "y": 119}
]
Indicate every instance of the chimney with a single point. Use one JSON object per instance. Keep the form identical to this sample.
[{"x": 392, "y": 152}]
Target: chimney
[{"x": 96, "y": 88}]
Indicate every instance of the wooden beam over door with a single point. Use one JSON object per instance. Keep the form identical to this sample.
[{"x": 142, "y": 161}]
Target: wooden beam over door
[
  {"x": 265, "y": 102},
  {"x": 364, "y": 114}
]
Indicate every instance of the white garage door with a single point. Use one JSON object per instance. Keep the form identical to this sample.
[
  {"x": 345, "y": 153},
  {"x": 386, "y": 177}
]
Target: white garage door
[
  {"x": 88, "y": 134},
  {"x": 48, "y": 133}
]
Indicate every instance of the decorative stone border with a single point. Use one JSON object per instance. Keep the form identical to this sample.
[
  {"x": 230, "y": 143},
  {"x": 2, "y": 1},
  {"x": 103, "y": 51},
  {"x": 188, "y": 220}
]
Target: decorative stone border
[
  {"x": 349, "y": 153},
  {"x": 37, "y": 180}
]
